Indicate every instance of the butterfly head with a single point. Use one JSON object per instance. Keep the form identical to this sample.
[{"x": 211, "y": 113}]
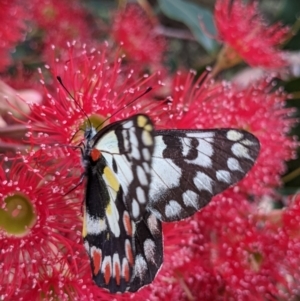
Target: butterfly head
[{"x": 89, "y": 134}]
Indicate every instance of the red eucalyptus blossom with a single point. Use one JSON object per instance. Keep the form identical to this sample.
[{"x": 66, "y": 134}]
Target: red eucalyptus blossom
[
  {"x": 59, "y": 22},
  {"x": 247, "y": 36},
  {"x": 207, "y": 246},
  {"x": 227, "y": 252},
  {"x": 135, "y": 31},
  {"x": 98, "y": 89},
  {"x": 38, "y": 222},
  {"x": 12, "y": 29}
]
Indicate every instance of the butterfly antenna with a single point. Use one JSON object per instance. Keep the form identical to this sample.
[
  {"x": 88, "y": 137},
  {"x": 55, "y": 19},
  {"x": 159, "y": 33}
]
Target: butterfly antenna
[
  {"x": 127, "y": 105},
  {"x": 76, "y": 102}
]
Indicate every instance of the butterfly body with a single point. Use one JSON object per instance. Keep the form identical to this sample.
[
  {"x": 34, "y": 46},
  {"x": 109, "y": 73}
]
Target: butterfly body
[{"x": 138, "y": 177}]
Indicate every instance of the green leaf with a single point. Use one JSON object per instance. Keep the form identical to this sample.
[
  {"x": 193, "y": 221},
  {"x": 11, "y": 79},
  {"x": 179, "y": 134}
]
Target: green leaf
[{"x": 192, "y": 15}]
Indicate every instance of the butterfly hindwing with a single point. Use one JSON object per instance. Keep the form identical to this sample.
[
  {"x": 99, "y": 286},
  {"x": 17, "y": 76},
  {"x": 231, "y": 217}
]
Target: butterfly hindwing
[
  {"x": 149, "y": 251},
  {"x": 108, "y": 235},
  {"x": 189, "y": 167},
  {"x": 119, "y": 235}
]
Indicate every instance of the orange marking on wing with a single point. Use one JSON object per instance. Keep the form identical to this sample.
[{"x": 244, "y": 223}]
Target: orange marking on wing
[
  {"x": 95, "y": 154},
  {"x": 107, "y": 273},
  {"x": 117, "y": 272},
  {"x": 129, "y": 254},
  {"x": 127, "y": 223},
  {"x": 97, "y": 259},
  {"x": 125, "y": 271}
]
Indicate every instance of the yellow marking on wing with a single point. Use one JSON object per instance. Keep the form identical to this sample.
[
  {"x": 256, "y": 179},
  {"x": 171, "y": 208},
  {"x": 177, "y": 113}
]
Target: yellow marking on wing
[
  {"x": 109, "y": 209},
  {"x": 110, "y": 179},
  {"x": 147, "y": 138},
  {"x": 141, "y": 121},
  {"x": 84, "y": 229},
  {"x": 112, "y": 213},
  {"x": 148, "y": 127}
]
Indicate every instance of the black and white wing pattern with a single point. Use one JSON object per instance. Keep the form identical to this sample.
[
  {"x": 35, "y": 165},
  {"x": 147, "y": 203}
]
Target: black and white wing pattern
[
  {"x": 148, "y": 252},
  {"x": 127, "y": 147},
  {"x": 189, "y": 167},
  {"x": 138, "y": 177},
  {"x": 123, "y": 240}
]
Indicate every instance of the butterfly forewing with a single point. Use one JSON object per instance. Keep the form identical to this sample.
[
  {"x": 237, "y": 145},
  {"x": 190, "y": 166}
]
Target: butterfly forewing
[
  {"x": 127, "y": 147},
  {"x": 189, "y": 167}
]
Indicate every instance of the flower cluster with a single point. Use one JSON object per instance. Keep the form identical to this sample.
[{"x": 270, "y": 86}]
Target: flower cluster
[
  {"x": 234, "y": 248},
  {"x": 135, "y": 31},
  {"x": 247, "y": 36},
  {"x": 12, "y": 29}
]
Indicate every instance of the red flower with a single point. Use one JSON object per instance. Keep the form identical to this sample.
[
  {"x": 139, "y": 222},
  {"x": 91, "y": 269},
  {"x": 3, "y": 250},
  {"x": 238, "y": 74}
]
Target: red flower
[
  {"x": 225, "y": 253},
  {"x": 135, "y": 31},
  {"x": 12, "y": 28},
  {"x": 38, "y": 223},
  {"x": 99, "y": 90},
  {"x": 67, "y": 280},
  {"x": 59, "y": 23},
  {"x": 289, "y": 221},
  {"x": 242, "y": 28}
]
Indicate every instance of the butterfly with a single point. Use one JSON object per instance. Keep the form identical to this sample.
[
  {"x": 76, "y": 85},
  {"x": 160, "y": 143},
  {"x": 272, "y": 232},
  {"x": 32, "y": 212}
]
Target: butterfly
[{"x": 139, "y": 177}]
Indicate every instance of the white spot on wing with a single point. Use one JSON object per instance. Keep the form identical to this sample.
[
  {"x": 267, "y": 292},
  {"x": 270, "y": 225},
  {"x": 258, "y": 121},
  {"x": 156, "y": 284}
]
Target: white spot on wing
[
  {"x": 240, "y": 151},
  {"x": 203, "y": 182},
  {"x": 135, "y": 152},
  {"x": 95, "y": 225},
  {"x": 140, "y": 267},
  {"x": 205, "y": 152},
  {"x": 199, "y": 134},
  {"x": 152, "y": 223},
  {"x": 224, "y": 176},
  {"x": 202, "y": 160},
  {"x": 132, "y": 137},
  {"x": 149, "y": 249},
  {"x": 128, "y": 124},
  {"x": 234, "y": 135},
  {"x": 172, "y": 209},
  {"x": 248, "y": 142},
  {"x": 186, "y": 146},
  {"x": 141, "y": 195},
  {"x": 165, "y": 176},
  {"x": 159, "y": 147},
  {"x": 233, "y": 164},
  {"x": 135, "y": 208},
  {"x": 190, "y": 198},
  {"x": 141, "y": 175},
  {"x": 146, "y": 154}
]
